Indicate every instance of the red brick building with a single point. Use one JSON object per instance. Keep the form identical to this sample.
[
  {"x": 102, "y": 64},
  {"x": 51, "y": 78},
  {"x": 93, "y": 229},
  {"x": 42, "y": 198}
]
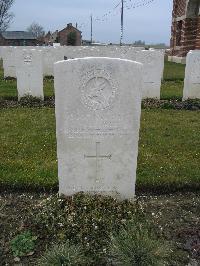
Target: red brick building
[
  {"x": 68, "y": 36},
  {"x": 185, "y": 27}
]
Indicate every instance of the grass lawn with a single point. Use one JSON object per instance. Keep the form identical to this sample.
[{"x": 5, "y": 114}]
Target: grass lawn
[
  {"x": 28, "y": 153},
  {"x": 169, "y": 149},
  {"x": 169, "y": 155},
  {"x": 172, "y": 90},
  {"x": 8, "y": 88},
  {"x": 172, "y": 85},
  {"x": 173, "y": 82},
  {"x": 174, "y": 71}
]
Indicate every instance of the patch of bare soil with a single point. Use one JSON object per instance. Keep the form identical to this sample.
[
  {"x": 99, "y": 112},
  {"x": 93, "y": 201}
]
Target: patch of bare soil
[{"x": 176, "y": 216}]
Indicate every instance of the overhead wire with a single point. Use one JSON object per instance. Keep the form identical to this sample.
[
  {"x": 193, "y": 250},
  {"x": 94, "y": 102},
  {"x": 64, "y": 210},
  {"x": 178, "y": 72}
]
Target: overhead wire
[{"x": 129, "y": 4}]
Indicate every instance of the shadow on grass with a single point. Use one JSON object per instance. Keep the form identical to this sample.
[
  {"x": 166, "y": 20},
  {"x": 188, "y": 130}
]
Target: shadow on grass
[{"x": 148, "y": 189}]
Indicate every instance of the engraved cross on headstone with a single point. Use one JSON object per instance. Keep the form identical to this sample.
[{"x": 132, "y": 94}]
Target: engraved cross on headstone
[{"x": 98, "y": 157}]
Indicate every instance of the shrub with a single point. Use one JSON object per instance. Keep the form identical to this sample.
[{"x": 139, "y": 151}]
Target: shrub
[
  {"x": 135, "y": 245},
  {"x": 30, "y": 99},
  {"x": 71, "y": 38},
  {"x": 63, "y": 255},
  {"x": 23, "y": 244}
]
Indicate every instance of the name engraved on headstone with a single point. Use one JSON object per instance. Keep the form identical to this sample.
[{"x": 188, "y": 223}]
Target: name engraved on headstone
[
  {"x": 117, "y": 126},
  {"x": 112, "y": 131}
]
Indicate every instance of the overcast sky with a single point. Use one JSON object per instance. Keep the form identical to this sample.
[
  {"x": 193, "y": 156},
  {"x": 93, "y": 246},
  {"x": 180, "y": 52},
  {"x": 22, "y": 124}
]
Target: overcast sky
[{"x": 151, "y": 22}]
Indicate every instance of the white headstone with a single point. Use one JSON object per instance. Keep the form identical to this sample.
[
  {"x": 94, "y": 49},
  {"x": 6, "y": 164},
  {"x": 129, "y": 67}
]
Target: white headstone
[
  {"x": 9, "y": 64},
  {"x": 98, "y": 107},
  {"x": 153, "y": 67},
  {"x": 56, "y": 44},
  {"x": 29, "y": 73},
  {"x": 50, "y": 55},
  {"x": 71, "y": 52},
  {"x": 192, "y": 76}
]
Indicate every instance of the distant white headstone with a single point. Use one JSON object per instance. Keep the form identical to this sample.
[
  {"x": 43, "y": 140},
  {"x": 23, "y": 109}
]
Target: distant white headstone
[
  {"x": 29, "y": 73},
  {"x": 192, "y": 76},
  {"x": 9, "y": 64},
  {"x": 71, "y": 52},
  {"x": 50, "y": 55},
  {"x": 153, "y": 67},
  {"x": 98, "y": 107},
  {"x": 56, "y": 44}
]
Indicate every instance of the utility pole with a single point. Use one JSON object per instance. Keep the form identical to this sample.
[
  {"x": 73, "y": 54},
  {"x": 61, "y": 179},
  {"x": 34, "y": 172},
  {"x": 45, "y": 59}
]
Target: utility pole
[
  {"x": 91, "y": 28},
  {"x": 122, "y": 23}
]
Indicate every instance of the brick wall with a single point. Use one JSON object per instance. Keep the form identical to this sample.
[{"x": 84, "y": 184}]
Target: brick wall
[
  {"x": 179, "y": 7},
  {"x": 197, "y": 44},
  {"x": 63, "y": 35},
  {"x": 185, "y": 30}
]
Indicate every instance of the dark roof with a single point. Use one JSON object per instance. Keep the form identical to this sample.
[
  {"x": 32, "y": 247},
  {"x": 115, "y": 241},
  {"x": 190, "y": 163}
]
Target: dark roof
[
  {"x": 18, "y": 35},
  {"x": 70, "y": 26}
]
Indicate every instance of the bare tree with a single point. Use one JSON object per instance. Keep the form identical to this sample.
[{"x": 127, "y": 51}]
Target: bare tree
[
  {"x": 36, "y": 29},
  {"x": 5, "y": 16}
]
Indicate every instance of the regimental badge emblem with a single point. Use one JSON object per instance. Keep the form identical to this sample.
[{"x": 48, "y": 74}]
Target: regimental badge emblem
[
  {"x": 98, "y": 91},
  {"x": 27, "y": 58}
]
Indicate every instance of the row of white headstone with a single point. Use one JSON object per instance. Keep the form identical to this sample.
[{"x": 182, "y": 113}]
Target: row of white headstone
[
  {"x": 50, "y": 55},
  {"x": 30, "y": 72},
  {"x": 29, "y": 66},
  {"x": 98, "y": 110}
]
